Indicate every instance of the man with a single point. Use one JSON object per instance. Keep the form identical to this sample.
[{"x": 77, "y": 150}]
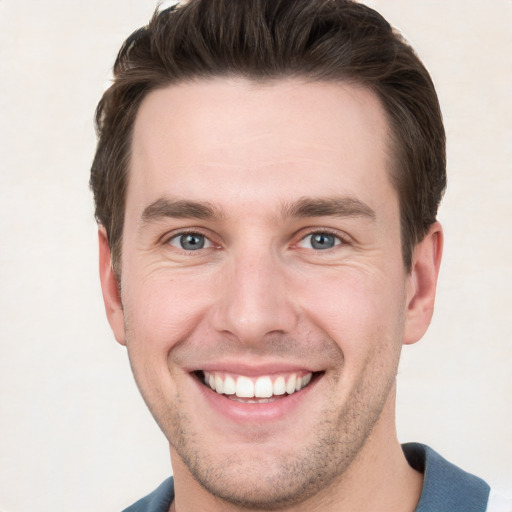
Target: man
[{"x": 267, "y": 179}]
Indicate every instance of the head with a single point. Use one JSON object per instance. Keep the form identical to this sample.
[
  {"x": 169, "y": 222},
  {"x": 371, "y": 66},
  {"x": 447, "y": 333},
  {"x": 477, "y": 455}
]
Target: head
[
  {"x": 266, "y": 181},
  {"x": 264, "y": 41}
]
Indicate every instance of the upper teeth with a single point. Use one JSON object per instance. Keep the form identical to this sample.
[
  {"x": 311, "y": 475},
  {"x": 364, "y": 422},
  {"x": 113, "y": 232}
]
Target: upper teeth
[{"x": 260, "y": 387}]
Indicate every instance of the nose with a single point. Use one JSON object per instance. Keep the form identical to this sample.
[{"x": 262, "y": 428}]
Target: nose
[{"x": 254, "y": 299}]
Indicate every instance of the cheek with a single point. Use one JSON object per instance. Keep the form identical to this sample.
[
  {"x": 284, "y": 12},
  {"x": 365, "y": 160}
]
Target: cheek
[
  {"x": 161, "y": 310},
  {"x": 360, "y": 311},
  {"x": 161, "y": 313}
]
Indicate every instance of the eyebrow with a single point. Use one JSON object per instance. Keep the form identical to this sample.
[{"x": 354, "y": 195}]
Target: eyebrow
[
  {"x": 302, "y": 208},
  {"x": 179, "y": 209},
  {"x": 328, "y": 207}
]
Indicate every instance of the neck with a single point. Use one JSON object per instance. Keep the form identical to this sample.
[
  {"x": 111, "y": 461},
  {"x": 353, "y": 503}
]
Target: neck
[{"x": 379, "y": 478}]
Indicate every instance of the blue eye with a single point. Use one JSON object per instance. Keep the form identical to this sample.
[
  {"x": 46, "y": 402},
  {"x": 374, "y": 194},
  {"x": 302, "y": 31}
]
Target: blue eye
[
  {"x": 190, "y": 241},
  {"x": 319, "y": 241}
]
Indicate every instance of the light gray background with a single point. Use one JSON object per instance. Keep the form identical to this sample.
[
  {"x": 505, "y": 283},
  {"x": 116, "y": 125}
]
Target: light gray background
[{"x": 74, "y": 434}]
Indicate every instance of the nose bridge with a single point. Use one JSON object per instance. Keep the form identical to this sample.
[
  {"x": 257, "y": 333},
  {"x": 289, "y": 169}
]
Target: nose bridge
[{"x": 253, "y": 297}]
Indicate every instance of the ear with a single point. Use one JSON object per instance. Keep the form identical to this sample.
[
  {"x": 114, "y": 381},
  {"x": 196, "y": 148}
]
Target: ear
[
  {"x": 110, "y": 289},
  {"x": 421, "y": 285}
]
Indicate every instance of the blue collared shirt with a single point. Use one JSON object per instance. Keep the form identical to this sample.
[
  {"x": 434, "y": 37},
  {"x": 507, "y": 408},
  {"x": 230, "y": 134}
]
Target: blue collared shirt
[{"x": 446, "y": 488}]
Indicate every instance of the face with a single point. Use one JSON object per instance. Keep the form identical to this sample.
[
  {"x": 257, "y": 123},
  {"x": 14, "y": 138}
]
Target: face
[{"x": 264, "y": 298}]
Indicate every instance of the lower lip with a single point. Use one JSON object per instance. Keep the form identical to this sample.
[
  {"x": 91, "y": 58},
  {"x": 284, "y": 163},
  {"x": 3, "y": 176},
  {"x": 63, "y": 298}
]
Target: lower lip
[{"x": 242, "y": 412}]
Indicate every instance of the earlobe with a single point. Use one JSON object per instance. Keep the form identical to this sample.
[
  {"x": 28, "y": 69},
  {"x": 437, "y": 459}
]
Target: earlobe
[
  {"x": 422, "y": 282},
  {"x": 110, "y": 289}
]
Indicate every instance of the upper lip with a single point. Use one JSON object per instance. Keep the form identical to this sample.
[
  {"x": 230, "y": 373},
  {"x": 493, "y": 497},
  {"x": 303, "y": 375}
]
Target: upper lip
[{"x": 254, "y": 370}]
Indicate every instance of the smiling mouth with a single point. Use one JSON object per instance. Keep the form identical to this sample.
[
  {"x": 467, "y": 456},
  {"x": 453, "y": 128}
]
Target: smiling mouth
[{"x": 263, "y": 389}]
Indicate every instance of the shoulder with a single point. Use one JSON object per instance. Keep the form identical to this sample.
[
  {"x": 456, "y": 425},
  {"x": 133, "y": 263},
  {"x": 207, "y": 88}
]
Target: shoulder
[
  {"x": 446, "y": 487},
  {"x": 158, "y": 501}
]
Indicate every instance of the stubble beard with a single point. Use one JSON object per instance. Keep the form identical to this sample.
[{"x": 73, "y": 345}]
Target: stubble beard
[{"x": 276, "y": 481}]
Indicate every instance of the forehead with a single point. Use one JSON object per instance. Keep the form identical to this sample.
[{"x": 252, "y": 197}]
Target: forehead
[{"x": 223, "y": 137}]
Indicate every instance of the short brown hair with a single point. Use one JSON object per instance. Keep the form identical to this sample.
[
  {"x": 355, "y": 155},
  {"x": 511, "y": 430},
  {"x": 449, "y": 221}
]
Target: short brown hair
[{"x": 263, "y": 40}]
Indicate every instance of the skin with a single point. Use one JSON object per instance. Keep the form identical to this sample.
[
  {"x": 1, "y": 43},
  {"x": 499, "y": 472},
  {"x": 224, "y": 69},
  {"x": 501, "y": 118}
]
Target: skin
[{"x": 259, "y": 297}]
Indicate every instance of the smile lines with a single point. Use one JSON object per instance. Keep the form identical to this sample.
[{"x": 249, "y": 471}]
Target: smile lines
[{"x": 259, "y": 387}]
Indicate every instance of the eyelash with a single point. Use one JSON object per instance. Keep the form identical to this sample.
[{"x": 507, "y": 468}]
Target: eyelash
[
  {"x": 341, "y": 238},
  {"x": 192, "y": 231}
]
